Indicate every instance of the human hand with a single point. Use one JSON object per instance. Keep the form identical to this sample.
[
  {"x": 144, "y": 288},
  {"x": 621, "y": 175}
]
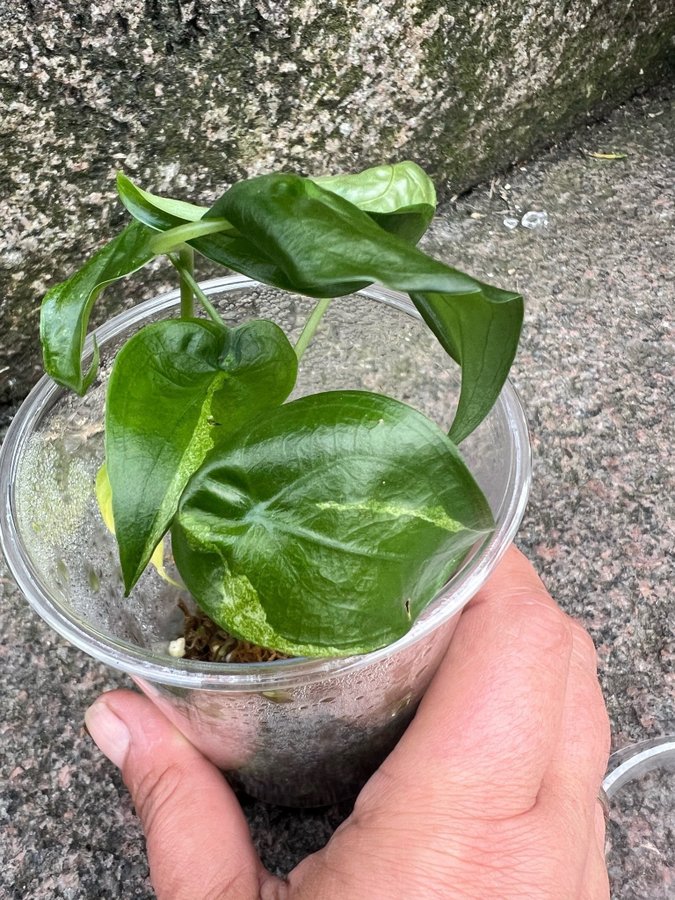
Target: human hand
[{"x": 491, "y": 792}]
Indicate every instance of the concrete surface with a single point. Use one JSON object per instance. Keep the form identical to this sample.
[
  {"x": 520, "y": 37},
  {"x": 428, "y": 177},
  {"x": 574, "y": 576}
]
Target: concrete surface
[
  {"x": 186, "y": 96},
  {"x": 595, "y": 373}
]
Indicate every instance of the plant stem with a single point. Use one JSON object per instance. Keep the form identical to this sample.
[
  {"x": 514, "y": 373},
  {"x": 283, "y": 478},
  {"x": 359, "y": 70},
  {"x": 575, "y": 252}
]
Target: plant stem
[
  {"x": 186, "y": 257},
  {"x": 311, "y": 325},
  {"x": 165, "y": 241},
  {"x": 187, "y": 278}
]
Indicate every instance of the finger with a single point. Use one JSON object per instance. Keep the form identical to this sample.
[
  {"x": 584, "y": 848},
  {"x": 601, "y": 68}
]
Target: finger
[
  {"x": 489, "y": 722},
  {"x": 595, "y": 882},
  {"x": 568, "y": 798},
  {"x": 580, "y": 760},
  {"x": 600, "y": 819},
  {"x": 188, "y": 812}
]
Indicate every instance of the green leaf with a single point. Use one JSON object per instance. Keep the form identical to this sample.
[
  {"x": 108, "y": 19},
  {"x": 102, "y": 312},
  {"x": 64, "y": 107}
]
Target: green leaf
[
  {"x": 325, "y": 526},
  {"x": 179, "y": 221},
  {"x": 401, "y": 197},
  {"x": 105, "y": 506},
  {"x": 480, "y": 332},
  {"x": 66, "y": 307},
  {"x": 334, "y": 235},
  {"x": 301, "y": 237},
  {"x": 177, "y": 388},
  {"x": 156, "y": 212}
]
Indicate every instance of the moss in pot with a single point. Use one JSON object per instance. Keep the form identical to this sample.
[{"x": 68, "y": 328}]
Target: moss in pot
[{"x": 316, "y": 527}]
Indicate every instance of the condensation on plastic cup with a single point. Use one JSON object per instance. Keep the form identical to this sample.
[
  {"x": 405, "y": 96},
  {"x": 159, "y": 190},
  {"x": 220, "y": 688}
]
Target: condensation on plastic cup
[
  {"x": 300, "y": 732},
  {"x": 191, "y": 674}
]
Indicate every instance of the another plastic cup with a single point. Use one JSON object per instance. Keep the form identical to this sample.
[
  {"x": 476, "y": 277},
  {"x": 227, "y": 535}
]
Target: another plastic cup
[{"x": 640, "y": 788}]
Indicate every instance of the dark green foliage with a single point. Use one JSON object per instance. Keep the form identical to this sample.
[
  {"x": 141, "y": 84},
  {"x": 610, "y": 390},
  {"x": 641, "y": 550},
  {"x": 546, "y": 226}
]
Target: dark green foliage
[{"x": 320, "y": 526}]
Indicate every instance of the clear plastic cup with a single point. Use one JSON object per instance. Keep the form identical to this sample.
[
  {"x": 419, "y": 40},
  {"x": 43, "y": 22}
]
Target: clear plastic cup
[
  {"x": 640, "y": 789},
  {"x": 298, "y": 732}
]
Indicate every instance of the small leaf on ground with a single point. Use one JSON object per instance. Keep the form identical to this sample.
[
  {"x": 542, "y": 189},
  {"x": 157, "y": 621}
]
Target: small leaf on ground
[{"x": 598, "y": 155}]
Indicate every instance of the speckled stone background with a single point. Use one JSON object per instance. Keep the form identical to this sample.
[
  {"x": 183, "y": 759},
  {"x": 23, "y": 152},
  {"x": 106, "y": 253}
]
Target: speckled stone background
[
  {"x": 166, "y": 89},
  {"x": 595, "y": 372}
]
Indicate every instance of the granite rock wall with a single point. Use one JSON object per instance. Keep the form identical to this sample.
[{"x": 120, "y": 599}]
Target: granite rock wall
[{"x": 166, "y": 89}]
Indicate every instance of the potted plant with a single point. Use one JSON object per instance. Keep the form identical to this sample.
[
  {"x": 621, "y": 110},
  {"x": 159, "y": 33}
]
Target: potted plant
[{"x": 326, "y": 537}]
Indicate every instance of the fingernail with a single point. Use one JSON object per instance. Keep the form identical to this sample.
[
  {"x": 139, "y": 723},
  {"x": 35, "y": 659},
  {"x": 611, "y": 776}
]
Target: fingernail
[{"x": 109, "y": 732}]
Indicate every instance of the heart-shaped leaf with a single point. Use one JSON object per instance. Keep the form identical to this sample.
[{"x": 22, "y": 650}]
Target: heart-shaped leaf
[
  {"x": 325, "y": 526},
  {"x": 177, "y": 388},
  {"x": 67, "y": 306}
]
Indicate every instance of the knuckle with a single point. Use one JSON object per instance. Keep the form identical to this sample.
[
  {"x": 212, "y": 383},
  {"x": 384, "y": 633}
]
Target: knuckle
[
  {"x": 236, "y": 887},
  {"x": 540, "y": 622},
  {"x": 583, "y": 646},
  {"x": 155, "y": 792}
]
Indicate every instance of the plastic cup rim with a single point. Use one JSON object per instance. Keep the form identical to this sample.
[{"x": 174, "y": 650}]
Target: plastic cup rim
[{"x": 141, "y": 663}]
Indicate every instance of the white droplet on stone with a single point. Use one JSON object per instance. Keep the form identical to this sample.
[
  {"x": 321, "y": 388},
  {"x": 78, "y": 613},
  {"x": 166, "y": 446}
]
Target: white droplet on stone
[
  {"x": 534, "y": 219},
  {"x": 510, "y": 223}
]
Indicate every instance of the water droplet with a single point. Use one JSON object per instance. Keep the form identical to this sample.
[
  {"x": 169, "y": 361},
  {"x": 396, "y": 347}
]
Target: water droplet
[
  {"x": 94, "y": 580},
  {"x": 535, "y": 219},
  {"x": 279, "y": 696}
]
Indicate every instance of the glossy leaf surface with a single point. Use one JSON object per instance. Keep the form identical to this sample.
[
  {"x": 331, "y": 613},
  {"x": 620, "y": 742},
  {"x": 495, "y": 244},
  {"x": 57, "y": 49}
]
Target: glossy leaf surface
[
  {"x": 323, "y": 237},
  {"x": 325, "y": 526},
  {"x": 155, "y": 212},
  {"x": 301, "y": 237},
  {"x": 177, "y": 388},
  {"x": 105, "y": 506},
  {"x": 334, "y": 235},
  {"x": 67, "y": 306},
  {"x": 480, "y": 333},
  {"x": 401, "y": 197}
]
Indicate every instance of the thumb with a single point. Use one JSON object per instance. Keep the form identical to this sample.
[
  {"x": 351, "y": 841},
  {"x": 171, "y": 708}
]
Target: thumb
[{"x": 197, "y": 838}]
